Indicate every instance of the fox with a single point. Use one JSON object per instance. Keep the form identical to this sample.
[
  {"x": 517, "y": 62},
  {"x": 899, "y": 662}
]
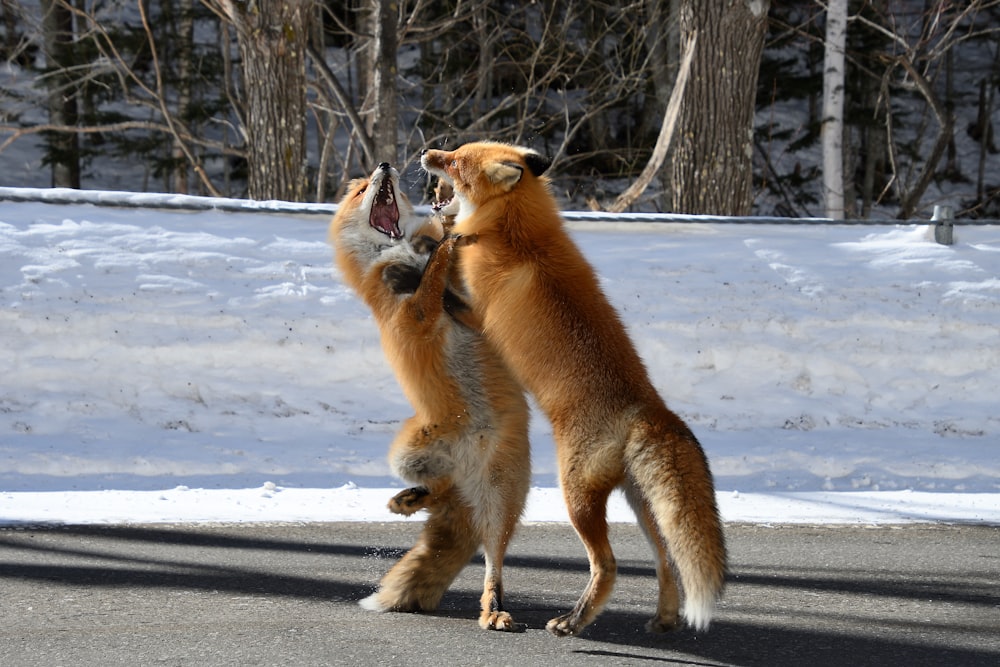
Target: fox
[
  {"x": 542, "y": 307},
  {"x": 466, "y": 447}
]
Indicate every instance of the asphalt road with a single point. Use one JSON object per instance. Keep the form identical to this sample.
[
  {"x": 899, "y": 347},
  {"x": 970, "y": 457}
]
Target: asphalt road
[{"x": 286, "y": 595}]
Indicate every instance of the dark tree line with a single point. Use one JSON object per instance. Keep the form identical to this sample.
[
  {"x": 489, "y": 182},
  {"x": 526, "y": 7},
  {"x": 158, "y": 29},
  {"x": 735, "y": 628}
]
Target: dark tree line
[
  {"x": 918, "y": 114},
  {"x": 288, "y": 99}
]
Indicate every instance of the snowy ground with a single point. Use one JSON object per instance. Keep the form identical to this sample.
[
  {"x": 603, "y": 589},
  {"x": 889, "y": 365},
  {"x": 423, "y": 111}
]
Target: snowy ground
[{"x": 210, "y": 366}]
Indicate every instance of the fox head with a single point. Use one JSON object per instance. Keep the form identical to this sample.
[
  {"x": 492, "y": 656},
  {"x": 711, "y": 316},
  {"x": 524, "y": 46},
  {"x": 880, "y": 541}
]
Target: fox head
[
  {"x": 479, "y": 172},
  {"x": 376, "y": 210}
]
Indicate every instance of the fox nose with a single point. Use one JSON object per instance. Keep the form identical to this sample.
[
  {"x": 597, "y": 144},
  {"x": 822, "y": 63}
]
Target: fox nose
[{"x": 384, "y": 166}]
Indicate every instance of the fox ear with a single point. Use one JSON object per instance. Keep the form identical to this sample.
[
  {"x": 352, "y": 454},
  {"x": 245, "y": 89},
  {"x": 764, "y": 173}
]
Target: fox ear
[
  {"x": 504, "y": 174},
  {"x": 536, "y": 163}
]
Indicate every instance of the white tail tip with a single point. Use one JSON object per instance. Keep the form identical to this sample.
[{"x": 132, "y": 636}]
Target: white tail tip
[
  {"x": 698, "y": 615},
  {"x": 372, "y": 603}
]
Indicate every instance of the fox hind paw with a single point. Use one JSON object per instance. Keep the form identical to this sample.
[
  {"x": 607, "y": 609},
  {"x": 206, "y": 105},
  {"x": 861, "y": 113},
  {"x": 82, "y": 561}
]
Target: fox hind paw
[
  {"x": 564, "y": 626},
  {"x": 659, "y": 625},
  {"x": 500, "y": 621}
]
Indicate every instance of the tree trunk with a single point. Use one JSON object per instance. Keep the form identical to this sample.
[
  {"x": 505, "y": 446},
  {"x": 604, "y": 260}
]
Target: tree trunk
[
  {"x": 386, "y": 108},
  {"x": 599, "y": 129},
  {"x": 832, "y": 128},
  {"x": 711, "y": 171},
  {"x": 9, "y": 15},
  {"x": 272, "y": 42},
  {"x": 185, "y": 66},
  {"x": 873, "y": 146},
  {"x": 64, "y": 147}
]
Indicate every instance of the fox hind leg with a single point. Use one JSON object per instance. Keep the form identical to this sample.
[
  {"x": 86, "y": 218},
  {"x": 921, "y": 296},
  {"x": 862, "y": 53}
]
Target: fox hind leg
[
  {"x": 445, "y": 546},
  {"x": 493, "y": 615},
  {"x": 668, "y": 603},
  {"x": 496, "y": 486},
  {"x": 588, "y": 514}
]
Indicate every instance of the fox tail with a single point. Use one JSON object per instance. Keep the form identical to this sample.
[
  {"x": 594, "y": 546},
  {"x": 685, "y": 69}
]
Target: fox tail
[{"x": 670, "y": 477}]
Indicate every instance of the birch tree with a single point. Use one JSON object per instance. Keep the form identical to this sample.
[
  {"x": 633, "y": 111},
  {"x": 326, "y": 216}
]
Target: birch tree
[{"x": 832, "y": 128}]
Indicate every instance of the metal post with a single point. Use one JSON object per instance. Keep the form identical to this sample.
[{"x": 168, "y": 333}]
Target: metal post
[{"x": 944, "y": 229}]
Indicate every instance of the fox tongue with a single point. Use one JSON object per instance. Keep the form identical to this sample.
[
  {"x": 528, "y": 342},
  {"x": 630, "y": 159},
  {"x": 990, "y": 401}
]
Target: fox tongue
[
  {"x": 384, "y": 218},
  {"x": 385, "y": 214}
]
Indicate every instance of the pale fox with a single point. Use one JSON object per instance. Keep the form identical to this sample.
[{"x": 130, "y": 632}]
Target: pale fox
[{"x": 467, "y": 445}]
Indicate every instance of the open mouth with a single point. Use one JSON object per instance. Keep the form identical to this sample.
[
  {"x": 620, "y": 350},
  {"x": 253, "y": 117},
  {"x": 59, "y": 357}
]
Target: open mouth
[
  {"x": 440, "y": 204},
  {"x": 384, "y": 215},
  {"x": 444, "y": 193}
]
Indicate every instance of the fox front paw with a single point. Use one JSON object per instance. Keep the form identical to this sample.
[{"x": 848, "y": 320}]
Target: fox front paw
[
  {"x": 460, "y": 240},
  {"x": 401, "y": 278},
  {"x": 410, "y": 500},
  {"x": 424, "y": 244}
]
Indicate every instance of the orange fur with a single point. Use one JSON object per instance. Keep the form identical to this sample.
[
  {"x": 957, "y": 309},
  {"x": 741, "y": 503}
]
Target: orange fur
[
  {"x": 543, "y": 308},
  {"x": 467, "y": 445}
]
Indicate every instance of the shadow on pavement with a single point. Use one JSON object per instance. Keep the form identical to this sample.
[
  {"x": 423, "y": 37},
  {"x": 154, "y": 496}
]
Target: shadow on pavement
[{"x": 773, "y": 615}]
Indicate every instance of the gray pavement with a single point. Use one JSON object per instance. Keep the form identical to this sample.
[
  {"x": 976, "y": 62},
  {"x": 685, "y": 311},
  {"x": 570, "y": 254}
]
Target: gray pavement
[{"x": 254, "y": 594}]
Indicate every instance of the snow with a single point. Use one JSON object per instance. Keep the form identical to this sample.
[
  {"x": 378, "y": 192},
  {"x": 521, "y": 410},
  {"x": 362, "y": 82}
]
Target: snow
[{"x": 162, "y": 364}]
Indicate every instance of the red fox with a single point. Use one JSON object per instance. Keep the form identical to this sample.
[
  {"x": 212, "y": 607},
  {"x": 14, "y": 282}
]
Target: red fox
[
  {"x": 543, "y": 309},
  {"x": 467, "y": 445}
]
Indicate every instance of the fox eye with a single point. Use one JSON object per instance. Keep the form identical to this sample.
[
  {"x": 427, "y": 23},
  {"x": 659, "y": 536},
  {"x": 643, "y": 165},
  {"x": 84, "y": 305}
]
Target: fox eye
[
  {"x": 361, "y": 191},
  {"x": 454, "y": 163}
]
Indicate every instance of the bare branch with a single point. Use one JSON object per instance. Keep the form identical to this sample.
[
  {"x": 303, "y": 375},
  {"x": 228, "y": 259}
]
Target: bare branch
[
  {"x": 344, "y": 100},
  {"x": 912, "y": 199},
  {"x": 18, "y": 132},
  {"x": 633, "y": 192},
  {"x": 167, "y": 115}
]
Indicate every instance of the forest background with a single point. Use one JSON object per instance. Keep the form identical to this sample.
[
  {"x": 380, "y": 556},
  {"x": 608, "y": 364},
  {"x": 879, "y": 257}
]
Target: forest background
[{"x": 289, "y": 99}]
